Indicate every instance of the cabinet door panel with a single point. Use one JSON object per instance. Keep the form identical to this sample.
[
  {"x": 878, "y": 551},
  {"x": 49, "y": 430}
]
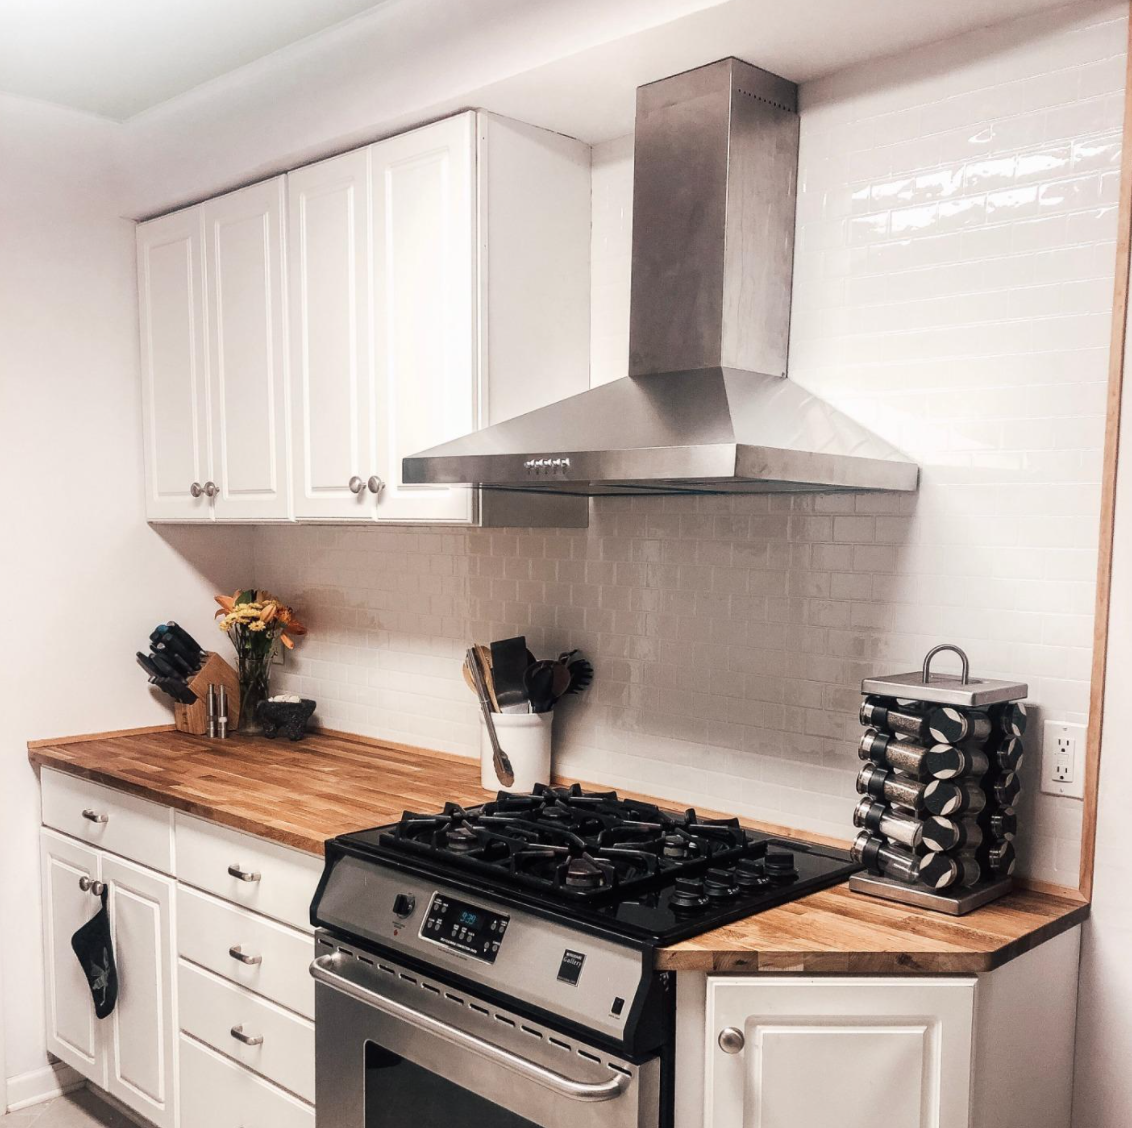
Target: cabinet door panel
[
  {"x": 73, "y": 1033},
  {"x": 244, "y": 258},
  {"x": 331, "y": 373},
  {"x": 424, "y": 309},
  {"x": 142, "y": 1025},
  {"x": 174, "y": 366},
  {"x": 848, "y": 1052}
]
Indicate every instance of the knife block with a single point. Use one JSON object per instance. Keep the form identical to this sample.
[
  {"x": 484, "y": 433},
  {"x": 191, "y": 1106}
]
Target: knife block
[{"x": 194, "y": 718}]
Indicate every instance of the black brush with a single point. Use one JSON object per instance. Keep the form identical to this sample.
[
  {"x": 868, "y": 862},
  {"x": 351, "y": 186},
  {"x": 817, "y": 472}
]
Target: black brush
[{"x": 581, "y": 674}]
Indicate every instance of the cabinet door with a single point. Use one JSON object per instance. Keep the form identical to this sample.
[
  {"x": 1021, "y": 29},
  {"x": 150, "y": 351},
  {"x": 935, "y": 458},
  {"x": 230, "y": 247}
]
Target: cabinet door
[
  {"x": 331, "y": 373},
  {"x": 73, "y": 1033},
  {"x": 849, "y": 1052},
  {"x": 174, "y": 366},
  {"x": 142, "y": 1026},
  {"x": 425, "y": 269},
  {"x": 247, "y": 342}
]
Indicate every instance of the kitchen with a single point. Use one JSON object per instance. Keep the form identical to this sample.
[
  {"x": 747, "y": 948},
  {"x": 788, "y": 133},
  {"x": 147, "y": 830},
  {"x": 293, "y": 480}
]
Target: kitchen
[{"x": 957, "y": 237}]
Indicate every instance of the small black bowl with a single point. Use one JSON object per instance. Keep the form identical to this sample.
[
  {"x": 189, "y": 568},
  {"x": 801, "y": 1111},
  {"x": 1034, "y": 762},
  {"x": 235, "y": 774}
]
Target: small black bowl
[{"x": 290, "y": 717}]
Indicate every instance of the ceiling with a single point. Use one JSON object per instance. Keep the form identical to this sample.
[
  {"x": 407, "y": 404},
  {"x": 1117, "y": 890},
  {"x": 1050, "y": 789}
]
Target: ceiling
[{"x": 117, "y": 58}]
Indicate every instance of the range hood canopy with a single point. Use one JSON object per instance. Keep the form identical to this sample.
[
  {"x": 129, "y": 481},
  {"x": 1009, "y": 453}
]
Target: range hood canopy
[{"x": 706, "y": 407}]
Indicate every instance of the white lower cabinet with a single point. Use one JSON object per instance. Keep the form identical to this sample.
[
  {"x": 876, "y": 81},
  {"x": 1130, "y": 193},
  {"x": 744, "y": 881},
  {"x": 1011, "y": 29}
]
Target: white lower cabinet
[
  {"x": 217, "y": 1093},
  {"x": 73, "y": 1033},
  {"x": 141, "y": 1029},
  {"x": 810, "y": 1053},
  {"x": 130, "y": 1053},
  {"x": 222, "y": 1037}
]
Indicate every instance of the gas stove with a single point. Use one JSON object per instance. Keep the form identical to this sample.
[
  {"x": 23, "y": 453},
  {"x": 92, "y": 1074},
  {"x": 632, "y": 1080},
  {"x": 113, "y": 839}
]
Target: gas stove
[
  {"x": 497, "y": 953},
  {"x": 606, "y": 863}
]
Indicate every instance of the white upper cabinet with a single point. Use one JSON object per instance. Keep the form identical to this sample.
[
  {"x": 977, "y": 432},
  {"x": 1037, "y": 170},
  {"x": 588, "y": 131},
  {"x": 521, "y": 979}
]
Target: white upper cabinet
[
  {"x": 174, "y": 363},
  {"x": 435, "y": 282},
  {"x": 244, "y": 256},
  {"x": 332, "y": 396},
  {"x": 424, "y": 271}
]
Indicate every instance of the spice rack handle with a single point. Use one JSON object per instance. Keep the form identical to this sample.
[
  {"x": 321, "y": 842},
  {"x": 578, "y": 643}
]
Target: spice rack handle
[{"x": 965, "y": 665}]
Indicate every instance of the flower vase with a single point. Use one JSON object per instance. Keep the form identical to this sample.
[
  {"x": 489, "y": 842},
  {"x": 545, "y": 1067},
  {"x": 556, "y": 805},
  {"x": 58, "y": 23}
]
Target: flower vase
[{"x": 255, "y": 678}]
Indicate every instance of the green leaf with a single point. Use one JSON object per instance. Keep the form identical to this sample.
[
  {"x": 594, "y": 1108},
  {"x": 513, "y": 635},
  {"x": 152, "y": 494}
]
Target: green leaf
[{"x": 247, "y": 596}]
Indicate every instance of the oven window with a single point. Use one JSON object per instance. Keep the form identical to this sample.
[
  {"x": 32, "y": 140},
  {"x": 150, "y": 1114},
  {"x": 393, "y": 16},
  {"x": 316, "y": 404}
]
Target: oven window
[{"x": 400, "y": 1093}]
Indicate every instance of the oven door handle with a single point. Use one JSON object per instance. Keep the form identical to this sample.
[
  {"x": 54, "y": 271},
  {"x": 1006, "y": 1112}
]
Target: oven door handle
[{"x": 327, "y": 969}]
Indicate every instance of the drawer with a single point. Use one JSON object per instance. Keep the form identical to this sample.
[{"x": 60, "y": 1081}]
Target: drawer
[
  {"x": 278, "y": 882},
  {"x": 109, "y": 819},
  {"x": 217, "y": 1093},
  {"x": 211, "y": 1008},
  {"x": 208, "y": 930}
]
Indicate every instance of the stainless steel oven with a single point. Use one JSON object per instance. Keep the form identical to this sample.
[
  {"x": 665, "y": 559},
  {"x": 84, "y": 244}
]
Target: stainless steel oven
[{"x": 410, "y": 1051}]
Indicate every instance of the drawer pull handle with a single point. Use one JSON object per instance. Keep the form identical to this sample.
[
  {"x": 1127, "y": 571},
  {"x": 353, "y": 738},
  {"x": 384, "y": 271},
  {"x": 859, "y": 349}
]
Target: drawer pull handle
[
  {"x": 95, "y": 817},
  {"x": 247, "y": 1039},
  {"x": 242, "y": 874},
  {"x": 237, "y": 953}
]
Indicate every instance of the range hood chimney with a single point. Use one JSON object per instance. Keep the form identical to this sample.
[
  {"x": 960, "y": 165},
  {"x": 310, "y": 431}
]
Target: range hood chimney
[{"x": 706, "y": 407}]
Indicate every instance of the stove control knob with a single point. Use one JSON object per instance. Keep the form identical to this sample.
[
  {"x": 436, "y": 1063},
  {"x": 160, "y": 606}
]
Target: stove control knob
[
  {"x": 731, "y": 1041},
  {"x": 404, "y": 904},
  {"x": 688, "y": 893},
  {"x": 750, "y": 874},
  {"x": 780, "y": 864}
]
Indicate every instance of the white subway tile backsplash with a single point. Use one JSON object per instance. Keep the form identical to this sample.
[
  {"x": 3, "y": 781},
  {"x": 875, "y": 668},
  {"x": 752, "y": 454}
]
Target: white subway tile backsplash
[{"x": 953, "y": 284}]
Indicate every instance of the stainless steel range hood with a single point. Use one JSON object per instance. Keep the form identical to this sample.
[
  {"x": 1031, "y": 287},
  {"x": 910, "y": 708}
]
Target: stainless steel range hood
[{"x": 706, "y": 407}]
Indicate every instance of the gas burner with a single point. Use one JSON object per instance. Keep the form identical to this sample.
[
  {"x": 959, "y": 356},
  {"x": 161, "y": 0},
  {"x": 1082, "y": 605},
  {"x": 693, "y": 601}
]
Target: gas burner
[
  {"x": 461, "y": 839},
  {"x": 675, "y": 846},
  {"x": 585, "y": 873}
]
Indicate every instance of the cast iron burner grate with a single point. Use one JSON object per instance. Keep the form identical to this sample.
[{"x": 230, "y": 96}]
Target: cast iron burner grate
[{"x": 573, "y": 844}]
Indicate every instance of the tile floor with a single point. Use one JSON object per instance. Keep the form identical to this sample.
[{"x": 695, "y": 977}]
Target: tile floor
[{"x": 81, "y": 1109}]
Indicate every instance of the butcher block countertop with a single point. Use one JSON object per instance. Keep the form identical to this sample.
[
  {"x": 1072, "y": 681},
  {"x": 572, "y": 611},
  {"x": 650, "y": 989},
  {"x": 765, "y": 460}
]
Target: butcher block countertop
[{"x": 301, "y": 794}]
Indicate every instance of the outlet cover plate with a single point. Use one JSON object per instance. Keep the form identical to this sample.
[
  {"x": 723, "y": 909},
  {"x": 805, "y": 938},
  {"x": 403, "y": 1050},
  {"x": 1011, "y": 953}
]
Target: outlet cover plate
[{"x": 1063, "y": 759}]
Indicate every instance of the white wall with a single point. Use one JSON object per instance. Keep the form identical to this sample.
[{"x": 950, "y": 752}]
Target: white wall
[
  {"x": 83, "y": 577},
  {"x": 953, "y": 287},
  {"x": 1103, "y": 1089}
]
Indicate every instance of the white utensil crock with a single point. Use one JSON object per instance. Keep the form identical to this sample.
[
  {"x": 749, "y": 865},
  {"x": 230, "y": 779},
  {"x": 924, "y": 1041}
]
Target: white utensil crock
[{"x": 525, "y": 738}]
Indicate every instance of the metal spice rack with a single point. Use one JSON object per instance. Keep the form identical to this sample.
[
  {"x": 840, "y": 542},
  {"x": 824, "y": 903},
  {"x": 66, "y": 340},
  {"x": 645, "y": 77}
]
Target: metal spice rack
[{"x": 936, "y": 817}]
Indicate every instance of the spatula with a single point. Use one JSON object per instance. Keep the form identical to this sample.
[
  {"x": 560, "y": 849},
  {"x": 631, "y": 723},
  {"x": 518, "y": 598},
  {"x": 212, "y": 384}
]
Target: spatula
[{"x": 509, "y": 661}]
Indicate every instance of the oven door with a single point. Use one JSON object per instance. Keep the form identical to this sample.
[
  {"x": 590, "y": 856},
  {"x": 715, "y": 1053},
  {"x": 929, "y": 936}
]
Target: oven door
[{"x": 394, "y": 1048}]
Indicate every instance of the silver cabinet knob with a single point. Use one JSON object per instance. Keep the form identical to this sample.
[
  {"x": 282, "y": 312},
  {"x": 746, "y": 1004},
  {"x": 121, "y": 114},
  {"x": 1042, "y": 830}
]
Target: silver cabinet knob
[
  {"x": 88, "y": 886},
  {"x": 95, "y": 816},
  {"x": 211, "y": 489},
  {"x": 237, "y": 953},
  {"x": 196, "y": 489},
  {"x": 84, "y": 883},
  {"x": 356, "y": 485},
  {"x": 731, "y": 1041},
  {"x": 241, "y": 874},
  {"x": 237, "y": 1032},
  {"x": 375, "y": 484}
]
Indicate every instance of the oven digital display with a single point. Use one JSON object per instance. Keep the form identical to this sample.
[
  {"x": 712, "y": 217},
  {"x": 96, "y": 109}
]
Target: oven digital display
[{"x": 464, "y": 928}]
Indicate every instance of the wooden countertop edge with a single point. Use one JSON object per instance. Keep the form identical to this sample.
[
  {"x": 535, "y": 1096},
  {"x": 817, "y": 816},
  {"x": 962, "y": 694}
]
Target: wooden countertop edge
[
  {"x": 830, "y": 962},
  {"x": 715, "y": 955}
]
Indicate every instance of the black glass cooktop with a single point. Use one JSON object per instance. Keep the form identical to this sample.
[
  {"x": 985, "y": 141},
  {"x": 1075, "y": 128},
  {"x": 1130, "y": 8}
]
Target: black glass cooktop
[{"x": 596, "y": 859}]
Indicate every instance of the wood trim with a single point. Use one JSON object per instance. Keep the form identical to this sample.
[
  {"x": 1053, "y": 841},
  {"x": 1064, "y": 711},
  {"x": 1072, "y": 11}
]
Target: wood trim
[
  {"x": 86, "y": 737},
  {"x": 1065, "y": 892},
  {"x": 1116, "y": 362}
]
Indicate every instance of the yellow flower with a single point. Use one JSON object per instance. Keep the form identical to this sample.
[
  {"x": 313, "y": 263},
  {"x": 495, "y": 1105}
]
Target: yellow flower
[{"x": 257, "y": 625}]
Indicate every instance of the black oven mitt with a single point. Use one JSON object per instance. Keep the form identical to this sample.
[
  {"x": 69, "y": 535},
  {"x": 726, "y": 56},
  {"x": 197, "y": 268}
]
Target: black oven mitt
[{"x": 95, "y": 949}]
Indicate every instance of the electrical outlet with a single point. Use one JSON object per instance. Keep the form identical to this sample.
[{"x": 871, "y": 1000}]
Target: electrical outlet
[{"x": 1063, "y": 759}]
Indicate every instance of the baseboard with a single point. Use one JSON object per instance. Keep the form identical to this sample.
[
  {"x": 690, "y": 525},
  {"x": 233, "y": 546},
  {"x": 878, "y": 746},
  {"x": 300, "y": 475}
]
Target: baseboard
[{"x": 42, "y": 1084}]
